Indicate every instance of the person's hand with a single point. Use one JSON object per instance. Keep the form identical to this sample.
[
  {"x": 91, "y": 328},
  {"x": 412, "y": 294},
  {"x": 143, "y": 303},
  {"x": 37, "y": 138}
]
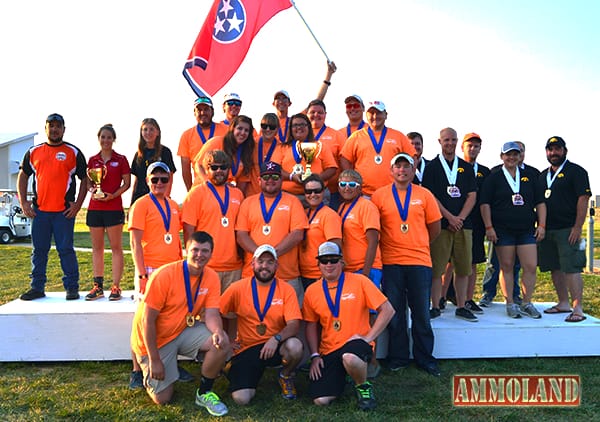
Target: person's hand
[
  {"x": 269, "y": 349},
  {"x": 72, "y": 210},
  {"x": 217, "y": 339},
  {"x": 316, "y": 364},
  {"x": 491, "y": 235},
  {"x": 540, "y": 233},
  {"x": 574, "y": 235},
  {"x": 331, "y": 68},
  {"x": 455, "y": 223},
  {"x": 156, "y": 369},
  {"x": 27, "y": 207}
]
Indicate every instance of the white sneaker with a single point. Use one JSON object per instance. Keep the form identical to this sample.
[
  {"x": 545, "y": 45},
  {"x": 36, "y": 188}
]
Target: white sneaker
[{"x": 212, "y": 403}]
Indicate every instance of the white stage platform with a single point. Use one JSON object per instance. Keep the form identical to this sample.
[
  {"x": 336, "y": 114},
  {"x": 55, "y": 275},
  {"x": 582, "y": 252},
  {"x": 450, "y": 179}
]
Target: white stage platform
[{"x": 53, "y": 329}]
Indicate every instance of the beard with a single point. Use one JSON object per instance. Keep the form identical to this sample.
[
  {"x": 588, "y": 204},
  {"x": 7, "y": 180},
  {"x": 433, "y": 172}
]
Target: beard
[{"x": 264, "y": 276}]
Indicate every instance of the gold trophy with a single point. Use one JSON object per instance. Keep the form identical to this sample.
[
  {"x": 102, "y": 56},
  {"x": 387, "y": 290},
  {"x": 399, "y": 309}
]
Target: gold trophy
[
  {"x": 96, "y": 175},
  {"x": 309, "y": 151}
]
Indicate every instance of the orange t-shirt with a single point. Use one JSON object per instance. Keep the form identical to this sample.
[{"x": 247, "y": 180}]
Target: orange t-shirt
[
  {"x": 325, "y": 225},
  {"x": 285, "y": 156},
  {"x": 144, "y": 216},
  {"x": 165, "y": 292},
  {"x": 359, "y": 150},
  {"x": 363, "y": 216},
  {"x": 345, "y": 134},
  {"x": 214, "y": 144},
  {"x": 288, "y": 216},
  {"x": 190, "y": 142},
  {"x": 202, "y": 210},
  {"x": 267, "y": 155},
  {"x": 239, "y": 300},
  {"x": 359, "y": 294},
  {"x": 412, "y": 247},
  {"x": 334, "y": 141}
]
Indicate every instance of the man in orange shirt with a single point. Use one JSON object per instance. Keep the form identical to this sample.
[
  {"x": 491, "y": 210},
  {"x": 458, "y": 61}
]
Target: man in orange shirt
[
  {"x": 192, "y": 139},
  {"x": 276, "y": 218},
  {"x": 267, "y": 328},
  {"x": 410, "y": 221},
  {"x": 213, "y": 207},
  {"x": 367, "y": 150},
  {"x": 339, "y": 304},
  {"x": 354, "y": 110},
  {"x": 180, "y": 316}
]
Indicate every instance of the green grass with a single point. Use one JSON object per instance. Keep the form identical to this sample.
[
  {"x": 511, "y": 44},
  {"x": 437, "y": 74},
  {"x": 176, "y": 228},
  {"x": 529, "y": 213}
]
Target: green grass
[{"x": 82, "y": 391}]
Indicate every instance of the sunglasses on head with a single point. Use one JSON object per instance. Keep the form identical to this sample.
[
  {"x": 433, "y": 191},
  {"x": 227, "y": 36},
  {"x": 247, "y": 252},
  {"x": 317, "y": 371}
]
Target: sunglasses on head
[
  {"x": 233, "y": 103},
  {"x": 265, "y": 126},
  {"x": 267, "y": 177},
  {"x": 348, "y": 184},
  {"x": 215, "y": 167},
  {"x": 326, "y": 261},
  {"x": 309, "y": 191},
  {"x": 155, "y": 180},
  {"x": 353, "y": 106}
]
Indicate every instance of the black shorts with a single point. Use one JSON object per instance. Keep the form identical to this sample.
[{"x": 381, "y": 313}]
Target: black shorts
[
  {"x": 247, "y": 367},
  {"x": 98, "y": 218},
  {"x": 333, "y": 373},
  {"x": 478, "y": 248}
]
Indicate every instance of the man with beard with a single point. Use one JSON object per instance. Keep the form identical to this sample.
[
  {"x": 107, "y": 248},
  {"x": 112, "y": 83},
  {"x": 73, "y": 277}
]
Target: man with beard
[
  {"x": 193, "y": 138},
  {"x": 266, "y": 330},
  {"x": 566, "y": 190}
]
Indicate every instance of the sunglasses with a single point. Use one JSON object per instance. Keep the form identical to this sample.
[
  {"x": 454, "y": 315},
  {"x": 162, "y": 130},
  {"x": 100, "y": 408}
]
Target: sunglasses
[
  {"x": 326, "y": 261},
  {"x": 267, "y": 177},
  {"x": 353, "y": 106},
  {"x": 309, "y": 191},
  {"x": 348, "y": 184},
  {"x": 215, "y": 167},
  {"x": 265, "y": 126},
  {"x": 155, "y": 180},
  {"x": 233, "y": 103},
  {"x": 299, "y": 125}
]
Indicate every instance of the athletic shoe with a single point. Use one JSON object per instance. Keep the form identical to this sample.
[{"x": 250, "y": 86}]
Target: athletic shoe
[
  {"x": 485, "y": 302},
  {"x": 365, "y": 395},
  {"x": 115, "y": 293},
  {"x": 529, "y": 310},
  {"x": 434, "y": 313},
  {"x": 212, "y": 403},
  {"x": 95, "y": 293},
  {"x": 32, "y": 294},
  {"x": 72, "y": 294},
  {"x": 464, "y": 313},
  {"x": 288, "y": 388},
  {"x": 442, "y": 303},
  {"x": 136, "y": 380},
  {"x": 472, "y": 306},
  {"x": 396, "y": 366},
  {"x": 184, "y": 376},
  {"x": 431, "y": 369},
  {"x": 512, "y": 310}
]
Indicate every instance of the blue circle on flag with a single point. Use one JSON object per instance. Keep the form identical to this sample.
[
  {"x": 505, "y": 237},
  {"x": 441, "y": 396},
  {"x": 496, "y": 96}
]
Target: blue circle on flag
[{"x": 230, "y": 21}]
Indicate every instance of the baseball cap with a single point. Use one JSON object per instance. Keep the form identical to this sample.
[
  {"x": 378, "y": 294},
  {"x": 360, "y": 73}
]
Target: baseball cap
[
  {"x": 354, "y": 97},
  {"x": 203, "y": 100},
  {"x": 329, "y": 249},
  {"x": 471, "y": 135},
  {"x": 510, "y": 146},
  {"x": 379, "y": 105},
  {"x": 282, "y": 92},
  {"x": 55, "y": 117},
  {"x": 403, "y": 156},
  {"x": 157, "y": 165},
  {"x": 265, "y": 248},
  {"x": 232, "y": 96},
  {"x": 270, "y": 167},
  {"x": 556, "y": 140}
]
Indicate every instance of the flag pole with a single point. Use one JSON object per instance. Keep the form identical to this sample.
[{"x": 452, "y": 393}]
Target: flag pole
[{"x": 310, "y": 30}]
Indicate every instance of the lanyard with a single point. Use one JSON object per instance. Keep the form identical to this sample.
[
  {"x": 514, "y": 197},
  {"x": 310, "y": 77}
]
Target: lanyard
[
  {"x": 211, "y": 132},
  {"x": 377, "y": 144},
  {"x": 261, "y": 314},
  {"x": 550, "y": 180},
  {"x": 318, "y": 135},
  {"x": 450, "y": 174},
  {"x": 402, "y": 210},
  {"x": 267, "y": 215},
  {"x": 224, "y": 204},
  {"x": 263, "y": 159},
  {"x": 283, "y": 136},
  {"x": 166, "y": 217},
  {"x": 349, "y": 128},
  {"x": 515, "y": 184},
  {"x": 334, "y": 307},
  {"x": 191, "y": 301}
]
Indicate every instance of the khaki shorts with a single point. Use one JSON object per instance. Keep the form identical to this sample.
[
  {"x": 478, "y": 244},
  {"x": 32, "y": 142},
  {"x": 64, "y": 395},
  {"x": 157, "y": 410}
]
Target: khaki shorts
[
  {"x": 296, "y": 283},
  {"x": 454, "y": 247},
  {"x": 228, "y": 277},
  {"x": 555, "y": 253}
]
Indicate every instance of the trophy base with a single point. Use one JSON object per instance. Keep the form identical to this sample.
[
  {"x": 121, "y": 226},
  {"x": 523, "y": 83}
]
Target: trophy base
[{"x": 99, "y": 195}]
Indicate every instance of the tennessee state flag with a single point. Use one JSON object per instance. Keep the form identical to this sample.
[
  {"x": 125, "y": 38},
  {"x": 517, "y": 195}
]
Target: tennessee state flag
[{"x": 224, "y": 40}]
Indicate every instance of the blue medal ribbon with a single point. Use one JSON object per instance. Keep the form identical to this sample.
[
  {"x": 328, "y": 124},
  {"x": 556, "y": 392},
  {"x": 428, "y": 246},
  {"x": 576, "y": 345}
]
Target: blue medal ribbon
[
  {"x": 166, "y": 217},
  {"x": 261, "y": 314},
  {"x": 403, "y": 211},
  {"x": 318, "y": 135},
  {"x": 211, "y": 132},
  {"x": 267, "y": 215},
  {"x": 283, "y": 136},
  {"x": 297, "y": 157},
  {"x": 266, "y": 158},
  {"x": 191, "y": 301},
  {"x": 377, "y": 144},
  {"x": 224, "y": 204},
  {"x": 235, "y": 165},
  {"x": 349, "y": 128},
  {"x": 310, "y": 219},
  {"x": 226, "y": 122},
  {"x": 334, "y": 307},
  {"x": 341, "y": 211}
]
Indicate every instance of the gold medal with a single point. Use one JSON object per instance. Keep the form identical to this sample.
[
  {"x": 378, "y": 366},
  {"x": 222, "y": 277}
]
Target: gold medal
[
  {"x": 547, "y": 193},
  {"x": 266, "y": 230},
  {"x": 190, "y": 320},
  {"x": 378, "y": 159},
  {"x": 404, "y": 227},
  {"x": 168, "y": 238},
  {"x": 261, "y": 329},
  {"x": 224, "y": 221},
  {"x": 337, "y": 324}
]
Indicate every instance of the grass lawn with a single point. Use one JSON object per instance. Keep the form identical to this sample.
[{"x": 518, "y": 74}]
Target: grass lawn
[{"x": 82, "y": 391}]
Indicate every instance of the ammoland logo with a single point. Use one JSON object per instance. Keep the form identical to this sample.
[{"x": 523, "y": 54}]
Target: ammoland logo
[{"x": 516, "y": 390}]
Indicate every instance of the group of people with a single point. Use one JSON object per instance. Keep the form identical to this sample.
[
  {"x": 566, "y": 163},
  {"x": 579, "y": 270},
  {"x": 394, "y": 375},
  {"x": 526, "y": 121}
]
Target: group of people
[{"x": 281, "y": 265}]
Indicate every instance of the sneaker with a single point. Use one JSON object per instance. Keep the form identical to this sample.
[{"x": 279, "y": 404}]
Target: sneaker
[
  {"x": 529, "y": 310},
  {"x": 452, "y": 300},
  {"x": 485, "y": 302},
  {"x": 472, "y": 306},
  {"x": 396, "y": 366},
  {"x": 434, "y": 313},
  {"x": 72, "y": 294},
  {"x": 288, "y": 388},
  {"x": 184, "y": 376},
  {"x": 431, "y": 369},
  {"x": 32, "y": 294},
  {"x": 136, "y": 380},
  {"x": 95, "y": 293},
  {"x": 373, "y": 370},
  {"x": 115, "y": 293},
  {"x": 464, "y": 313},
  {"x": 442, "y": 303},
  {"x": 366, "y": 398},
  {"x": 517, "y": 300},
  {"x": 512, "y": 310},
  {"x": 212, "y": 403}
]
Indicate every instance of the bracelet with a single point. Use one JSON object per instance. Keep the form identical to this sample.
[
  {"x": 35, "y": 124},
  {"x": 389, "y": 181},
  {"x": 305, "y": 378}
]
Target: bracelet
[
  {"x": 328, "y": 83},
  {"x": 489, "y": 228},
  {"x": 291, "y": 176},
  {"x": 143, "y": 276},
  {"x": 315, "y": 355},
  {"x": 542, "y": 226}
]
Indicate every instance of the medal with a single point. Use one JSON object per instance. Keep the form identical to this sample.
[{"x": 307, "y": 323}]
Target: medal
[
  {"x": 261, "y": 329},
  {"x": 190, "y": 320},
  {"x": 377, "y": 144},
  {"x": 337, "y": 324},
  {"x": 266, "y": 229},
  {"x": 224, "y": 222},
  {"x": 334, "y": 307},
  {"x": 453, "y": 191},
  {"x": 268, "y": 214},
  {"x": 168, "y": 238},
  {"x": 378, "y": 159},
  {"x": 547, "y": 193},
  {"x": 223, "y": 203},
  {"x": 298, "y": 169},
  {"x": 402, "y": 210},
  {"x": 404, "y": 228},
  {"x": 517, "y": 199}
]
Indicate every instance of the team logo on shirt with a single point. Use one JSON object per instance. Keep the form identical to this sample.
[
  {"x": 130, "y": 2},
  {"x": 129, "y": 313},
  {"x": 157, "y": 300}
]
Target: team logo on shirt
[
  {"x": 560, "y": 175},
  {"x": 114, "y": 164},
  {"x": 283, "y": 208},
  {"x": 524, "y": 179},
  {"x": 460, "y": 170},
  {"x": 61, "y": 156},
  {"x": 277, "y": 302},
  {"x": 230, "y": 22},
  {"x": 348, "y": 296},
  {"x": 203, "y": 291}
]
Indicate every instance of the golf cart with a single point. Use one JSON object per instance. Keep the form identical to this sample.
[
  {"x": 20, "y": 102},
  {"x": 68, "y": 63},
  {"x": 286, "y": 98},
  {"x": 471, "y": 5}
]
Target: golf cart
[{"x": 13, "y": 223}]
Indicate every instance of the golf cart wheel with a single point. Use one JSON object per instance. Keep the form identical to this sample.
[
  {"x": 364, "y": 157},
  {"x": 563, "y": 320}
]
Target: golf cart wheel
[{"x": 5, "y": 236}]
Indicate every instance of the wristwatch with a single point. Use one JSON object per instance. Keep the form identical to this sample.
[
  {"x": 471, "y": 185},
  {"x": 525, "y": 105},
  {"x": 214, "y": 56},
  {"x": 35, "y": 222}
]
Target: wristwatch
[{"x": 277, "y": 337}]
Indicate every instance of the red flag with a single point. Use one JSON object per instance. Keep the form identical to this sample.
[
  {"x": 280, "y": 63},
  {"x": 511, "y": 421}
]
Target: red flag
[{"x": 224, "y": 40}]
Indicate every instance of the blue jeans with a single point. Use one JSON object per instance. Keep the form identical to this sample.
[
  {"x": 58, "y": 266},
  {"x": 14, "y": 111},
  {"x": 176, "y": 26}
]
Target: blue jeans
[
  {"x": 43, "y": 227},
  {"x": 490, "y": 285},
  {"x": 409, "y": 284}
]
